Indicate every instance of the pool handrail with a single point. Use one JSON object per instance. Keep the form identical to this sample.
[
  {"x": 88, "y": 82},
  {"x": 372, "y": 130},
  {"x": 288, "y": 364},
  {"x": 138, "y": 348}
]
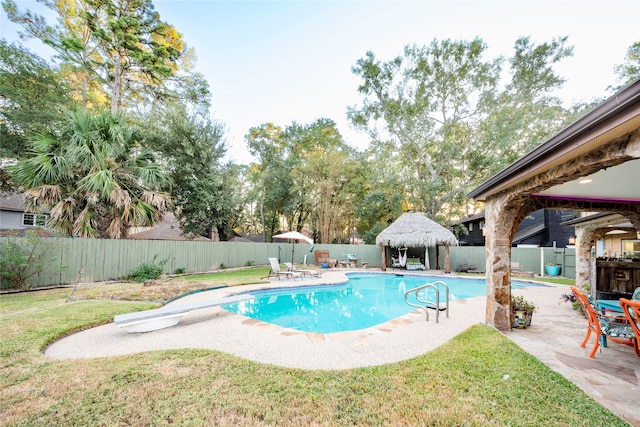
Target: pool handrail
[{"x": 428, "y": 304}]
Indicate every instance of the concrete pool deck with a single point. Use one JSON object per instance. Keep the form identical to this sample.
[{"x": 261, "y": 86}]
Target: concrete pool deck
[{"x": 612, "y": 378}]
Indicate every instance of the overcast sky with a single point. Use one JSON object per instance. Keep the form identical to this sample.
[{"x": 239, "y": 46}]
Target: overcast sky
[{"x": 279, "y": 61}]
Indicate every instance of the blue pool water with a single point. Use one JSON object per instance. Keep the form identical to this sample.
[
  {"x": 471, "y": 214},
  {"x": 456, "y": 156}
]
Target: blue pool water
[{"x": 366, "y": 300}]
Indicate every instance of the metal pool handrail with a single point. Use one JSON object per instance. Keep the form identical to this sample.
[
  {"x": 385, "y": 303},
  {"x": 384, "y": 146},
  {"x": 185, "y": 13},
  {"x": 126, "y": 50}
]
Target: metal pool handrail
[{"x": 428, "y": 304}]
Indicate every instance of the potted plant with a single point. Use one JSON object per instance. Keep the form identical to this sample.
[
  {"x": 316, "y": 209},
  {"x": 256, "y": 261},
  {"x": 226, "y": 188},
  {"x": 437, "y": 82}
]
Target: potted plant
[
  {"x": 521, "y": 312},
  {"x": 552, "y": 269}
]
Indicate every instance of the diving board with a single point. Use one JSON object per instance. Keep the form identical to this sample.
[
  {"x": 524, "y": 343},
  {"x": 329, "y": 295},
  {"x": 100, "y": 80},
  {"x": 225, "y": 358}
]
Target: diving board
[{"x": 164, "y": 317}]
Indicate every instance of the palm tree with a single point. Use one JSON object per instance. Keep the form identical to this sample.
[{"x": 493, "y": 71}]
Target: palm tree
[{"x": 94, "y": 176}]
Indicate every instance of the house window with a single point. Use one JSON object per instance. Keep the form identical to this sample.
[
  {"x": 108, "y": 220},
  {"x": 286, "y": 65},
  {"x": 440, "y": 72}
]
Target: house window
[
  {"x": 481, "y": 225},
  {"x": 470, "y": 227},
  {"x": 32, "y": 220},
  {"x": 631, "y": 248}
]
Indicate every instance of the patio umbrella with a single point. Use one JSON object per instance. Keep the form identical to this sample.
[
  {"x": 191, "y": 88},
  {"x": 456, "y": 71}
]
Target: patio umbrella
[{"x": 293, "y": 236}]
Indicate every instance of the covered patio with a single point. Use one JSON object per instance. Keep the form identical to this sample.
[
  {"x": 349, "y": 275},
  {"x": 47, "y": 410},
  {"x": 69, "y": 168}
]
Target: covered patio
[{"x": 593, "y": 165}]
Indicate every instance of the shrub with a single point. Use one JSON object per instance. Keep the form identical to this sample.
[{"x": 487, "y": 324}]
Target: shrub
[
  {"x": 22, "y": 258},
  {"x": 180, "y": 271},
  {"x": 148, "y": 270},
  {"x": 250, "y": 263}
]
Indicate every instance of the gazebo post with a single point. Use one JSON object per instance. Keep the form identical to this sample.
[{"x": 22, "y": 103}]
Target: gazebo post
[
  {"x": 384, "y": 258},
  {"x": 447, "y": 262}
]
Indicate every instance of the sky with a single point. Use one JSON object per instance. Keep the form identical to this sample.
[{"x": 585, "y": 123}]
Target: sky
[{"x": 290, "y": 61}]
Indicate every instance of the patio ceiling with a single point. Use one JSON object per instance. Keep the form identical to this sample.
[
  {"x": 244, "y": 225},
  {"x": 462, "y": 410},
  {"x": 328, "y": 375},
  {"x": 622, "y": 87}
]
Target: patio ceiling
[
  {"x": 613, "y": 119},
  {"x": 618, "y": 183}
]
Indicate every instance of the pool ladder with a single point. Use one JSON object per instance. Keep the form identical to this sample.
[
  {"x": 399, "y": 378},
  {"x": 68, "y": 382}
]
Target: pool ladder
[{"x": 425, "y": 304}]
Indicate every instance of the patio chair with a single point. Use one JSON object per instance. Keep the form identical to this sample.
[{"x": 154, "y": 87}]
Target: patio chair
[
  {"x": 277, "y": 272},
  {"x": 310, "y": 273},
  {"x": 631, "y": 310},
  {"x": 415, "y": 264},
  {"x": 602, "y": 326}
]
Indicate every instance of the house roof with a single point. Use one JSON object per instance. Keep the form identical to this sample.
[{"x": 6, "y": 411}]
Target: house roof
[
  {"x": 615, "y": 117},
  {"x": 415, "y": 230},
  {"x": 12, "y": 202},
  {"x": 167, "y": 229},
  {"x": 474, "y": 217},
  {"x": 528, "y": 232}
]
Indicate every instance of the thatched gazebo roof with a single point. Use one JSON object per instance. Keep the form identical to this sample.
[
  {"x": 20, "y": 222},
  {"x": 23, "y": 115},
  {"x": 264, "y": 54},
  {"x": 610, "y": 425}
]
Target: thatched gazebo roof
[{"x": 415, "y": 230}]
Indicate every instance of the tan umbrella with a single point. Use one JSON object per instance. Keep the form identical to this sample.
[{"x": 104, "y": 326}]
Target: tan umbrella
[{"x": 294, "y": 236}]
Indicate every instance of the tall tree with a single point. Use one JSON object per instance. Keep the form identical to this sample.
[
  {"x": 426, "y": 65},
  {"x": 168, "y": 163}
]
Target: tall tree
[
  {"x": 306, "y": 176},
  {"x": 32, "y": 96},
  {"x": 271, "y": 175},
  {"x": 202, "y": 186},
  {"x": 438, "y": 113},
  {"x": 118, "y": 46},
  {"x": 93, "y": 177},
  {"x": 424, "y": 105},
  {"x": 629, "y": 70}
]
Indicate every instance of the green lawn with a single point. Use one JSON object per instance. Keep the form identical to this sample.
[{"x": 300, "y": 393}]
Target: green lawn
[{"x": 478, "y": 378}]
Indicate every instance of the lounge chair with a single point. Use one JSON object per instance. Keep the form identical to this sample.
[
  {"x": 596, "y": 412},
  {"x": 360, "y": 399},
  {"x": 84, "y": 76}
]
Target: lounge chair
[
  {"x": 310, "y": 273},
  {"x": 415, "y": 264},
  {"x": 277, "y": 272},
  {"x": 603, "y": 326},
  {"x": 631, "y": 310}
]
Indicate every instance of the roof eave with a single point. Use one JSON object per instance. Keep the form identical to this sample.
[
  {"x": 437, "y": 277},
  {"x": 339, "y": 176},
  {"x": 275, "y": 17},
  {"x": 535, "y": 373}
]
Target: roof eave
[{"x": 613, "y": 107}]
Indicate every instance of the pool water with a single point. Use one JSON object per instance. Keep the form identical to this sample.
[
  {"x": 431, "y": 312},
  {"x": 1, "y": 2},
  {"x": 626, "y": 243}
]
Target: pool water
[{"x": 366, "y": 300}]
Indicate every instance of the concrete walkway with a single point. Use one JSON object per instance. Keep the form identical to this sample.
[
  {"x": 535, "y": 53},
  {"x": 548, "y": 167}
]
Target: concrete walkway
[{"x": 612, "y": 378}]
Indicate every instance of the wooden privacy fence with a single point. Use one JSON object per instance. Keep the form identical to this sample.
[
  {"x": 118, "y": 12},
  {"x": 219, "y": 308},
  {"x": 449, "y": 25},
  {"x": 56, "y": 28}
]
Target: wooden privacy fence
[{"x": 93, "y": 260}]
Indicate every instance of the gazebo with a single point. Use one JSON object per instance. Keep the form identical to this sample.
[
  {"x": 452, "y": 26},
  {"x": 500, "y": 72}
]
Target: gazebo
[{"x": 415, "y": 230}]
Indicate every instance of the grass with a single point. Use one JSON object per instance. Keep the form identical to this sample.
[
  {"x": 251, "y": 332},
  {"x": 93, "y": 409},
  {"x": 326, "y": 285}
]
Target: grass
[{"x": 478, "y": 378}]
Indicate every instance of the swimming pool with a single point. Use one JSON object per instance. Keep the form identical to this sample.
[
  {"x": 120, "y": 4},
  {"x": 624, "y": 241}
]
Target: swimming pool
[{"x": 366, "y": 300}]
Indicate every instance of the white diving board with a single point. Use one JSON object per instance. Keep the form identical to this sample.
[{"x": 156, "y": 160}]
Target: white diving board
[{"x": 164, "y": 317}]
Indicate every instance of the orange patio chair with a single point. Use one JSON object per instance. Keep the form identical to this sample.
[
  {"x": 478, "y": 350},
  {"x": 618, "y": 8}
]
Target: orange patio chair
[
  {"x": 631, "y": 310},
  {"x": 600, "y": 325}
]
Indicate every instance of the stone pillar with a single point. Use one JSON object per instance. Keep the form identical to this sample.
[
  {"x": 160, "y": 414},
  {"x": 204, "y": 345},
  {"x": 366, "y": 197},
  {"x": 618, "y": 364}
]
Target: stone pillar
[
  {"x": 584, "y": 239},
  {"x": 499, "y": 225}
]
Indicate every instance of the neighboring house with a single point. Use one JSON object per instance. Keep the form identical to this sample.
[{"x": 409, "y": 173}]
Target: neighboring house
[
  {"x": 167, "y": 229},
  {"x": 234, "y": 236},
  {"x": 540, "y": 228},
  {"x": 13, "y": 215}
]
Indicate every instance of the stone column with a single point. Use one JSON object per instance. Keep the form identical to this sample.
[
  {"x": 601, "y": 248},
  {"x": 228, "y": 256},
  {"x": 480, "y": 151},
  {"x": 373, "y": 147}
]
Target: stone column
[
  {"x": 584, "y": 239},
  {"x": 499, "y": 226}
]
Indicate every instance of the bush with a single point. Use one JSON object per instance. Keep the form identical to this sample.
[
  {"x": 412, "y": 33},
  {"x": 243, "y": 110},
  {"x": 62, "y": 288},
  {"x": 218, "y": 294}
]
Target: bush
[
  {"x": 148, "y": 270},
  {"x": 22, "y": 258},
  {"x": 180, "y": 270}
]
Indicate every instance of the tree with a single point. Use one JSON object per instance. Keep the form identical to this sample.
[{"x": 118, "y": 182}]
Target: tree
[
  {"x": 118, "y": 47},
  {"x": 305, "y": 175},
  {"x": 203, "y": 189},
  {"x": 94, "y": 177},
  {"x": 424, "y": 105},
  {"x": 32, "y": 96},
  {"x": 437, "y": 113},
  {"x": 270, "y": 176},
  {"x": 629, "y": 70},
  {"x": 326, "y": 179}
]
